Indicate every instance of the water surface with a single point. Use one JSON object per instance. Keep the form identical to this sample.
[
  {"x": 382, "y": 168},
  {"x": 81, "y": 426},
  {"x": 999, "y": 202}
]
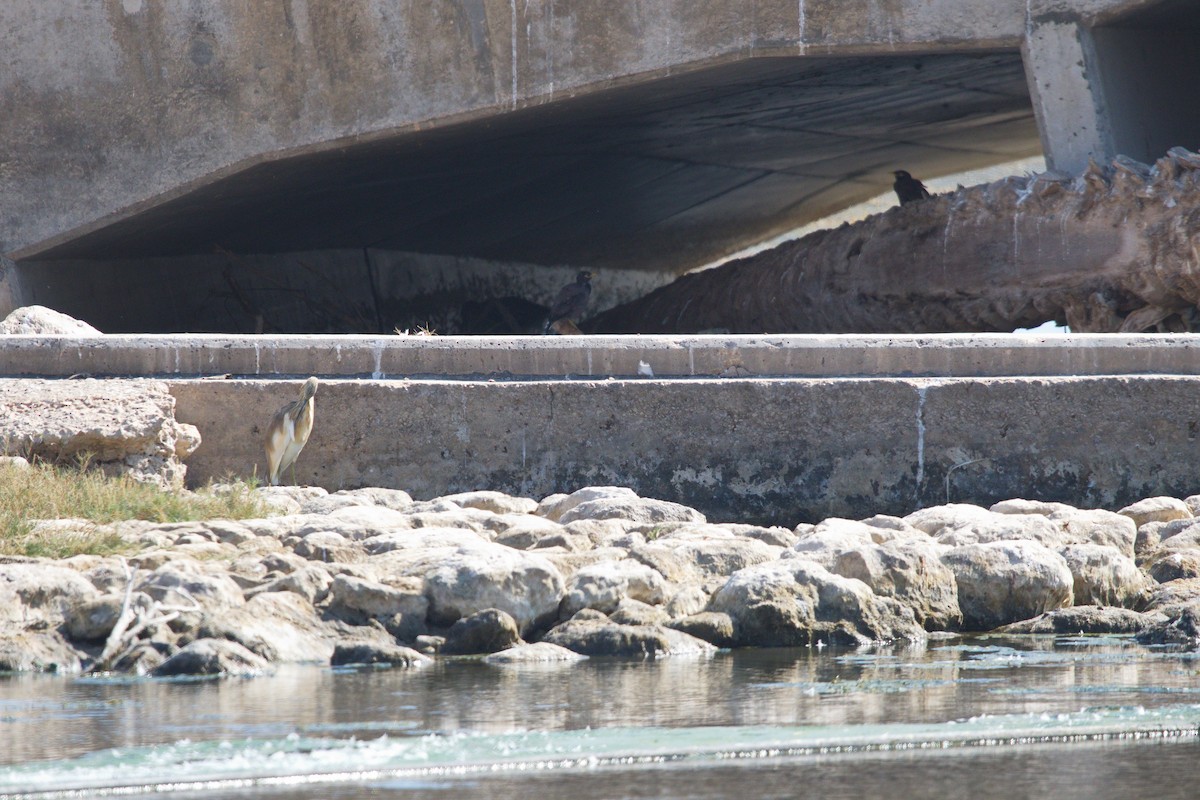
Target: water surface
[{"x": 1079, "y": 717}]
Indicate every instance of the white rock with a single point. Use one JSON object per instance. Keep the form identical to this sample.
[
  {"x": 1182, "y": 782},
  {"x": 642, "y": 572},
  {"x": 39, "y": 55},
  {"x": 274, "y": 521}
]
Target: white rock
[
  {"x": 554, "y": 506},
  {"x": 1104, "y": 576},
  {"x": 603, "y": 586},
  {"x": 1157, "y": 509},
  {"x": 539, "y": 653},
  {"x": 1008, "y": 581},
  {"x": 637, "y": 509},
  {"x": 42, "y": 321},
  {"x": 495, "y": 502},
  {"x": 526, "y": 586}
]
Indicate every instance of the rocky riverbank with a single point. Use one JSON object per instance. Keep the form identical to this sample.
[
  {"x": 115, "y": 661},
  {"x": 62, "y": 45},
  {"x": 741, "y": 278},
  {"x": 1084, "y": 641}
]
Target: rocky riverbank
[{"x": 370, "y": 576}]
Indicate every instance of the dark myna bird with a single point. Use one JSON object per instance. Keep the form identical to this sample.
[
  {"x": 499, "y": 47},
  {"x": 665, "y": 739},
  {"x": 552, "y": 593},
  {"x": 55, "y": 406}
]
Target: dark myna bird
[
  {"x": 288, "y": 433},
  {"x": 571, "y": 301},
  {"x": 908, "y": 188}
]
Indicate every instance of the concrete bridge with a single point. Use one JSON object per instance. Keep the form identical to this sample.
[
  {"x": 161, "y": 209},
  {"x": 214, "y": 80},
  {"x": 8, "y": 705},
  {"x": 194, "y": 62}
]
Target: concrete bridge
[{"x": 297, "y": 165}]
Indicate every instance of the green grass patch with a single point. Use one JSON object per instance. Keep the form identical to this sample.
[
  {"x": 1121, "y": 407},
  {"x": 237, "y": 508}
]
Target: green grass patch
[{"x": 51, "y": 492}]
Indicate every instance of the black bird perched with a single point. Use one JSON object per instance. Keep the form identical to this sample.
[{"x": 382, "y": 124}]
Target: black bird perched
[
  {"x": 571, "y": 301},
  {"x": 908, "y": 188}
]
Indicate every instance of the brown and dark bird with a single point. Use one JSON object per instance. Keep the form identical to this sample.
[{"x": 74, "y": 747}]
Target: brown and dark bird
[
  {"x": 288, "y": 433},
  {"x": 908, "y": 188},
  {"x": 570, "y": 302}
]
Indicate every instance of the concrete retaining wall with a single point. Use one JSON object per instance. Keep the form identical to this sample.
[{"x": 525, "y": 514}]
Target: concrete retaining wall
[
  {"x": 769, "y": 429},
  {"x": 776, "y": 451}
]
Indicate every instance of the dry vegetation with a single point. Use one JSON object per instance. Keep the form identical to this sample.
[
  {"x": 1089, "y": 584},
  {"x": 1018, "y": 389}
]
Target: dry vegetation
[{"x": 44, "y": 492}]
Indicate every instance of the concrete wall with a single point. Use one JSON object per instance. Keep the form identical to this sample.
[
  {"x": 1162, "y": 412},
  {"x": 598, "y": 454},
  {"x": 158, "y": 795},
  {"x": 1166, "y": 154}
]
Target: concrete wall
[
  {"x": 772, "y": 451},
  {"x": 114, "y": 105},
  {"x": 766, "y": 429}
]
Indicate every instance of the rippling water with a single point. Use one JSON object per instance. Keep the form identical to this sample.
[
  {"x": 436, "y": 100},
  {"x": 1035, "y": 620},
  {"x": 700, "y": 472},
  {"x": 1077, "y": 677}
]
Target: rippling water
[{"x": 1075, "y": 717}]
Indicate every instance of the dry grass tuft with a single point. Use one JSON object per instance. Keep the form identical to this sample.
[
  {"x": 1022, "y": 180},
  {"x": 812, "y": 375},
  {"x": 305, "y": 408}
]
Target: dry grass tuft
[{"x": 43, "y": 492}]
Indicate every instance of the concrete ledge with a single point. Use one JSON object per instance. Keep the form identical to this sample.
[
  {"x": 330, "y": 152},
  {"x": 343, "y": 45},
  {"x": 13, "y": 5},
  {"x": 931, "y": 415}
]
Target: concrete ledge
[
  {"x": 777, "y": 451},
  {"x": 972, "y": 355}
]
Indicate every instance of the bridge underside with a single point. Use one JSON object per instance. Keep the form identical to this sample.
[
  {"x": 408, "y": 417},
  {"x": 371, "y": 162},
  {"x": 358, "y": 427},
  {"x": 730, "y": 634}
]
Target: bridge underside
[
  {"x": 655, "y": 178},
  {"x": 663, "y": 175}
]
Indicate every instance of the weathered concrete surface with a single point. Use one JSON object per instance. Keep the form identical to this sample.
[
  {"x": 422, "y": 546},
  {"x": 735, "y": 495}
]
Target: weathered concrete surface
[
  {"x": 146, "y": 101},
  {"x": 762, "y": 450},
  {"x": 1111, "y": 249},
  {"x": 122, "y": 427},
  {"x": 553, "y": 357}
]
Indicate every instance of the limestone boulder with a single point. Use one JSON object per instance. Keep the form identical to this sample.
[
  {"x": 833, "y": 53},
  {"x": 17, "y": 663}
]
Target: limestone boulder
[
  {"x": 367, "y": 653},
  {"x": 632, "y": 509},
  {"x": 1099, "y": 527},
  {"x": 487, "y": 631},
  {"x": 911, "y": 572},
  {"x": 394, "y": 499},
  {"x": 40, "y": 651},
  {"x": 40, "y": 594},
  {"x": 604, "y": 585},
  {"x": 494, "y": 502},
  {"x": 125, "y": 427},
  {"x": 556, "y": 505},
  {"x": 1174, "y": 566},
  {"x": 525, "y": 585},
  {"x": 1087, "y": 620},
  {"x": 213, "y": 657},
  {"x": 42, "y": 321},
  {"x": 538, "y": 653},
  {"x": 400, "y": 606},
  {"x": 1105, "y": 576},
  {"x": 799, "y": 602},
  {"x": 1156, "y": 509},
  {"x": 935, "y": 519},
  {"x": 602, "y": 637},
  {"x": 277, "y": 626},
  {"x": 1008, "y": 581}
]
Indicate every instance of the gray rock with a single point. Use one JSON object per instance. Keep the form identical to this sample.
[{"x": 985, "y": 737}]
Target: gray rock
[
  {"x": 213, "y": 657},
  {"x": 93, "y": 620},
  {"x": 525, "y": 585},
  {"x": 601, "y": 637},
  {"x": 1175, "y": 566},
  {"x": 1156, "y": 509},
  {"x": 41, "y": 651},
  {"x": 556, "y": 505},
  {"x": 712, "y": 626},
  {"x": 376, "y": 653},
  {"x": 635, "y": 509},
  {"x": 124, "y": 427},
  {"x": 1004, "y": 582},
  {"x": 486, "y": 631},
  {"x": 635, "y": 612},
  {"x": 1105, "y": 576},
  {"x": 41, "y": 321},
  {"x": 799, "y": 602},
  {"x": 494, "y": 502},
  {"x": 278, "y": 626},
  {"x": 310, "y": 582},
  {"x": 538, "y": 653},
  {"x": 603, "y": 586},
  {"x": 1086, "y": 619}
]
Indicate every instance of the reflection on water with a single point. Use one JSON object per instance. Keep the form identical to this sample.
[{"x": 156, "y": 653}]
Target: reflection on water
[{"x": 669, "y": 728}]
